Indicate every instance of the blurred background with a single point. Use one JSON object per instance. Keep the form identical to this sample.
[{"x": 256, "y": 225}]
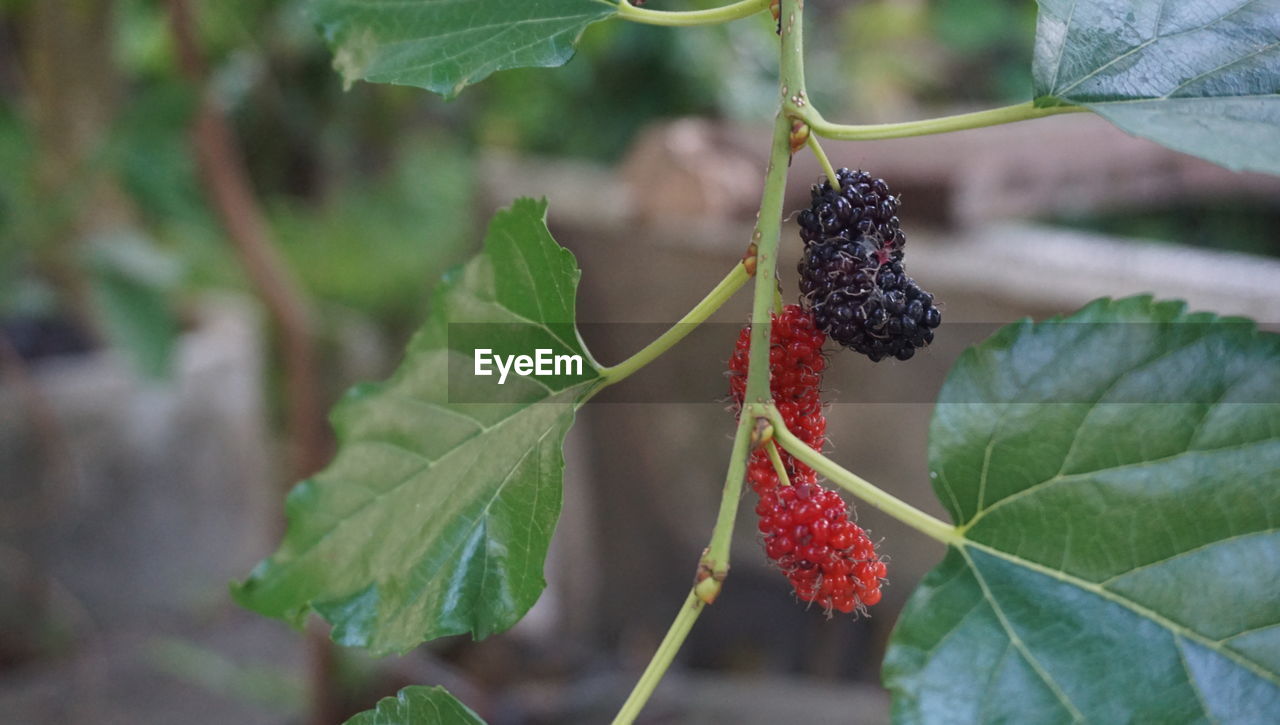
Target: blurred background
[{"x": 204, "y": 239}]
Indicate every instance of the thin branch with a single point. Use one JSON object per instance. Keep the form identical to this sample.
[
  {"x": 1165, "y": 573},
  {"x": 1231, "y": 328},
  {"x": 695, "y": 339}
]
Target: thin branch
[
  {"x": 230, "y": 193},
  {"x": 226, "y": 181},
  {"x": 765, "y": 239},
  {"x": 661, "y": 660},
  {"x": 767, "y": 235}
]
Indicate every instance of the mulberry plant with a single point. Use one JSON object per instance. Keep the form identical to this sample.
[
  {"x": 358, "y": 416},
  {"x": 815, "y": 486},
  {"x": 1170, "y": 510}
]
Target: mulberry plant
[{"x": 1111, "y": 478}]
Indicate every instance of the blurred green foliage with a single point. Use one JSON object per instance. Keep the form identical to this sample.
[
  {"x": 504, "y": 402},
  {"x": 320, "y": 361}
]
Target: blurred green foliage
[
  {"x": 382, "y": 247},
  {"x": 886, "y": 60},
  {"x": 368, "y": 192},
  {"x": 624, "y": 77},
  {"x": 989, "y": 44},
  {"x": 371, "y": 192},
  {"x": 16, "y": 201},
  {"x": 132, "y": 283}
]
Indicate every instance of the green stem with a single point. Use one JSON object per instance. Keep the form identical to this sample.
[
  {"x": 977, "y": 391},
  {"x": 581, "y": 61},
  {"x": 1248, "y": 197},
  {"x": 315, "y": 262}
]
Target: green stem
[
  {"x": 767, "y": 234},
  {"x": 816, "y": 147},
  {"x": 741, "y": 9},
  {"x": 720, "y": 294},
  {"x": 858, "y": 486},
  {"x": 978, "y": 119},
  {"x": 716, "y": 558},
  {"x": 657, "y": 667}
]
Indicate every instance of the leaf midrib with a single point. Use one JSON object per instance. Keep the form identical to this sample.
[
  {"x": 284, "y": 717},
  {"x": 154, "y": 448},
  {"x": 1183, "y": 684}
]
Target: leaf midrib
[
  {"x": 505, "y": 24},
  {"x": 1159, "y": 356},
  {"x": 1142, "y": 611},
  {"x": 1180, "y": 99},
  {"x": 1017, "y": 642},
  {"x": 481, "y": 519},
  {"x": 431, "y": 464}
]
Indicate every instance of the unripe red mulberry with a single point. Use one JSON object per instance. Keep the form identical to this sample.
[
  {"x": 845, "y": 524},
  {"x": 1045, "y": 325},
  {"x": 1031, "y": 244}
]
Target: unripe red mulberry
[{"x": 807, "y": 529}]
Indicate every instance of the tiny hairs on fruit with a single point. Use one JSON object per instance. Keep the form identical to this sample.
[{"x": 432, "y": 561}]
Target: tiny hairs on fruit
[
  {"x": 808, "y": 530},
  {"x": 851, "y": 273}
]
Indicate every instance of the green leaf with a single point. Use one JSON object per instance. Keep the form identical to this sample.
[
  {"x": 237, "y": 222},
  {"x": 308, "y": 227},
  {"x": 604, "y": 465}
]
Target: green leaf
[
  {"x": 1116, "y": 480},
  {"x": 1200, "y": 77},
  {"x": 435, "y": 516},
  {"x": 133, "y": 282},
  {"x": 446, "y": 45},
  {"x": 418, "y": 706}
]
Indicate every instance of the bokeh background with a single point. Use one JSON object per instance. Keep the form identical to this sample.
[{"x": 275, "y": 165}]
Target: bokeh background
[{"x": 205, "y": 238}]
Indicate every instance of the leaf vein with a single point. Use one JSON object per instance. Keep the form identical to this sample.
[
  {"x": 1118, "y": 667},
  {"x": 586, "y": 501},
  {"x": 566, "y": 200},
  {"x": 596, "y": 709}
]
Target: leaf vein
[
  {"x": 1250, "y": 630},
  {"x": 1194, "y": 550},
  {"x": 1131, "y": 605},
  {"x": 1147, "y": 43},
  {"x": 403, "y": 481},
  {"x": 1030, "y": 490},
  {"x": 1019, "y": 644},
  {"x": 481, "y": 518},
  {"x": 1066, "y": 33},
  {"x": 1224, "y": 66},
  {"x": 1191, "y": 680}
]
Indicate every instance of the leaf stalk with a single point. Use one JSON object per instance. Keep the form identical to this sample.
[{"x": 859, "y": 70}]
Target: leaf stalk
[
  {"x": 735, "y": 11},
  {"x": 771, "y": 448},
  {"x": 944, "y": 124},
  {"x": 855, "y": 484},
  {"x": 716, "y": 298}
]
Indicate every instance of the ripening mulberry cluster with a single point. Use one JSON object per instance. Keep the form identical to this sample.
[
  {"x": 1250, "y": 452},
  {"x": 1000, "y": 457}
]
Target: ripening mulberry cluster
[
  {"x": 851, "y": 274},
  {"x": 807, "y": 531}
]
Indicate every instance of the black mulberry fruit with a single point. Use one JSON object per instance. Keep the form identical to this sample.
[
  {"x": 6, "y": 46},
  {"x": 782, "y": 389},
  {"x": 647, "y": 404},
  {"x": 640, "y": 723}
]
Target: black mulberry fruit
[
  {"x": 851, "y": 275},
  {"x": 863, "y": 209}
]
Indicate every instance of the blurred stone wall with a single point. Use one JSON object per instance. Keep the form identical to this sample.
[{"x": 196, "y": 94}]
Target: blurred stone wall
[{"x": 129, "y": 502}]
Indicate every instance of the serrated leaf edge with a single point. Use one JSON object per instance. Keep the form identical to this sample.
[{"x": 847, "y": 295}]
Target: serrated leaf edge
[
  {"x": 1172, "y": 311},
  {"x": 575, "y": 396}
]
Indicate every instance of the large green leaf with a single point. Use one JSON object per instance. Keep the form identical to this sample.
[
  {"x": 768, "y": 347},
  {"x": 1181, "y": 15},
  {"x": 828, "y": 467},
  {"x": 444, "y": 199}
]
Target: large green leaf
[
  {"x": 1201, "y": 77},
  {"x": 1116, "y": 479},
  {"x": 435, "y": 516},
  {"x": 418, "y": 706},
  {"x": 446, "y": 45}
]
